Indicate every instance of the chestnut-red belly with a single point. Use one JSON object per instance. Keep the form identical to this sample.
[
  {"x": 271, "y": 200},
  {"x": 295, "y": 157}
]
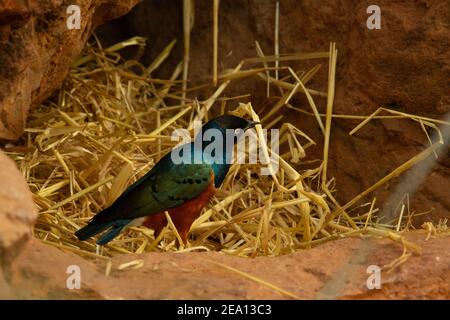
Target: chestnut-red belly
[{"x": 182, "y": 216}]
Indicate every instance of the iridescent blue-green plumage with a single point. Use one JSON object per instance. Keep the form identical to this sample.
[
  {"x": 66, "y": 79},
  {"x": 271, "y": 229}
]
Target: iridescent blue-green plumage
[{"x": 168, "y": 184}]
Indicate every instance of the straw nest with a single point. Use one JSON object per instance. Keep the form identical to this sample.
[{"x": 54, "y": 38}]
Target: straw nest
[{"x": 111, "y": 121}]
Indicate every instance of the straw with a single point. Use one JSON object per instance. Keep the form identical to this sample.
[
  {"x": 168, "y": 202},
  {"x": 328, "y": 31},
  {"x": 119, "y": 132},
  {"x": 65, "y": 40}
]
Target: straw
[
  {"x": 215, "y": 38},
  {"x": 276, "y": 37},
  {"x": 111, "y": 121},
  {"x": 188, "y": 22}
]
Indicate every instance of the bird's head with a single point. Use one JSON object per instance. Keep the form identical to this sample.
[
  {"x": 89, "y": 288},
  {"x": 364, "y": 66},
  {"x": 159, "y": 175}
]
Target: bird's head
[
  {"x": 217, "y": 139},
  {"x": 214, "y": 144},
  {"x": 227, "y": 122}
]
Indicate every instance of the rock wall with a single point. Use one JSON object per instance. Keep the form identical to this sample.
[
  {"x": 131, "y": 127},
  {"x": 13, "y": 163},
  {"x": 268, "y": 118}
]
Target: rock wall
[{"x": 37, "y": 48}]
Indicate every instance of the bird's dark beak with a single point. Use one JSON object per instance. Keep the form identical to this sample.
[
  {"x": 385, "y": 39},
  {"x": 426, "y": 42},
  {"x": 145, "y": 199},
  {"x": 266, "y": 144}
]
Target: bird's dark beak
[{"x": 251, "y": 124}]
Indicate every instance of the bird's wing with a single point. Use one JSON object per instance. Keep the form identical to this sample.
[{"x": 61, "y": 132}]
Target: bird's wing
[{"x": 166, "y": 186}]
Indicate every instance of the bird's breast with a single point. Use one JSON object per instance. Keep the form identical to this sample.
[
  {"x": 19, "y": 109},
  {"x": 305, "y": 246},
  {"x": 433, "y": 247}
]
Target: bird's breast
[{"x": 185, "y": 214}]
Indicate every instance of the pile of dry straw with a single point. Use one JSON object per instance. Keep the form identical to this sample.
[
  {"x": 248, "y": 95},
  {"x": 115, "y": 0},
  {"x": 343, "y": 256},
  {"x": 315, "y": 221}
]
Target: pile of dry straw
[{"x": 111, "y": 121}]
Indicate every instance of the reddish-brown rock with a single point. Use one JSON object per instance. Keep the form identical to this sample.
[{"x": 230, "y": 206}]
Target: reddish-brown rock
[
  {"x": 335, "y": 270},
  {"x": 17, "y": 210},
  {"x": 37, "y": 48}
]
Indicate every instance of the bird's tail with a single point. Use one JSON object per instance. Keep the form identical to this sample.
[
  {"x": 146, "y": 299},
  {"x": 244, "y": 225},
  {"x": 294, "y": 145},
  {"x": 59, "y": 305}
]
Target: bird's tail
[
  {"x": 95, "y": 226},
  {"x": 115, "y": 227},
  {"x": 113, "y": 232},
  {"x": 92, "y": 229}
]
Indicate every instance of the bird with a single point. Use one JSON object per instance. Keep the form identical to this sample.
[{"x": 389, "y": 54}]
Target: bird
[{"x": 182, "y": 189}]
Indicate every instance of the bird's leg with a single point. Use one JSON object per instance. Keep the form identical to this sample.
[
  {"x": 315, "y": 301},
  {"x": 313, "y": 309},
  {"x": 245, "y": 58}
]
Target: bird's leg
[
  {"x": 157, "y": 222},
  {"x": 157, "y": 232},
  {"x": 183, "y": 235},
  {"x": 183, "y": 224}
]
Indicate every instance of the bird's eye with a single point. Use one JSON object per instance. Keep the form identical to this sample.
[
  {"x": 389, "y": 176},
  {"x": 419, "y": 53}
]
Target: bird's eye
[{"x": 237, "y": 131}]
